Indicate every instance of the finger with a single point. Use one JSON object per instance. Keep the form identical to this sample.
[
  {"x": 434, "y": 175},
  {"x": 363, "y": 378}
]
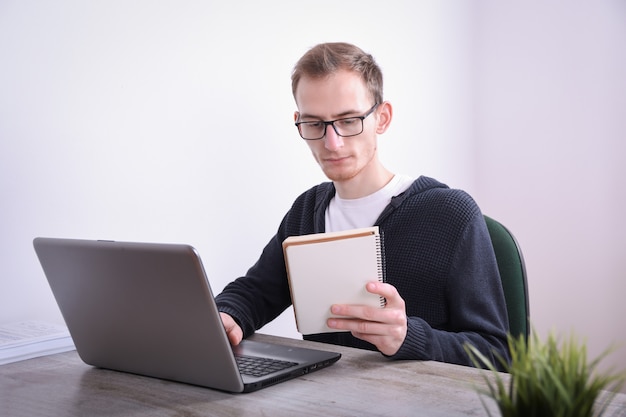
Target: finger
[
  {"x": 388, "y": 291},
  {"x": 356, "y": 311},
  {"x": 351, "y": 317},
  {"x": 357, "y": 326},
  {"x": 235, "y": 335},
  {"x": 233, "y": 331}
]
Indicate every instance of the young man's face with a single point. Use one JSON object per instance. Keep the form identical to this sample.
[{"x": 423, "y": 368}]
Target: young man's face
[{"x": 340, "y": 95}]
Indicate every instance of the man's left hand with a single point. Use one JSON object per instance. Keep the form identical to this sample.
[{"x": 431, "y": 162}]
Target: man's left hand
[{"x": 385, "y": 328}]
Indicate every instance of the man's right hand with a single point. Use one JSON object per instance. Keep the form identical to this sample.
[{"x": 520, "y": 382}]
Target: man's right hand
[{"x": 233, "y": 331}]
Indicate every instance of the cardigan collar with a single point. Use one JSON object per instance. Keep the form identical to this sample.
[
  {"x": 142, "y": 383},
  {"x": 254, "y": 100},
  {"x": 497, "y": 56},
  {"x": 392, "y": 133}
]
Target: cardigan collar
[{"x": 326, "y": 191}]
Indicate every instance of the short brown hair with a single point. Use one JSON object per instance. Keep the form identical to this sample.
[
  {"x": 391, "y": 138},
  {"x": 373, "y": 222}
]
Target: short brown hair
[{"x": 327, "y": 58}]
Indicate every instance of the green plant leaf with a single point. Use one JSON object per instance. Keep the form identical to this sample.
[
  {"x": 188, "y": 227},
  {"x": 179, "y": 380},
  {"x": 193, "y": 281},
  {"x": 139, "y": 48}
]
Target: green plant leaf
[{"x": 551, "y": 378}]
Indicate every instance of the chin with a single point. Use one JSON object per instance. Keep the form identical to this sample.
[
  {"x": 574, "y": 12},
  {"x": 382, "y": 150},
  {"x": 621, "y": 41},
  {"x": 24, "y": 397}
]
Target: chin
[
  {"x": 339, "y": 173},
  {"x": 338, "y": 176}
]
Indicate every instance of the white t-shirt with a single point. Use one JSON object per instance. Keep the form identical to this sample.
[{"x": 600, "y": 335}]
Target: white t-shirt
[{"x": 345, "y": 214}]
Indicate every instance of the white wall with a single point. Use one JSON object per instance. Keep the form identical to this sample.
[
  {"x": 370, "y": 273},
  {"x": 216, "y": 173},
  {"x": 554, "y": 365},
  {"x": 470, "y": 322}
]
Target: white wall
[
  {"x": 172, "y": 121},
  {"x": 550, "y": 113}
]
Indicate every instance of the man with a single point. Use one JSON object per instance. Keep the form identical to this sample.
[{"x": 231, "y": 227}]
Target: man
[{"x": 442, "y": 283}]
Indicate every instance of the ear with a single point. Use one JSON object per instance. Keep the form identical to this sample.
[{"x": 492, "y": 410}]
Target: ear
[
  {"x": 296, "y": 114},
  {"x": 385, "y": 114}
]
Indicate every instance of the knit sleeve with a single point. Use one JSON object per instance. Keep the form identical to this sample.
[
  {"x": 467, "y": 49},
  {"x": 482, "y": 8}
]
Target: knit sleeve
[
  {"x": 263, "y": 292},
  {"x": 476, "y": 308}
]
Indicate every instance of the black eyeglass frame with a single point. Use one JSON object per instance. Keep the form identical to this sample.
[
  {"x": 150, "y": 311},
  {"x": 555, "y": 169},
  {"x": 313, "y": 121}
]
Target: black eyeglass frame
[{"x": 332, "y": 123}]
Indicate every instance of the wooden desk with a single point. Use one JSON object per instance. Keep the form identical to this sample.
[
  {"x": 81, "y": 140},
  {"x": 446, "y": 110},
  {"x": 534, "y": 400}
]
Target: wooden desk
[{"x": 362, "y": 383}]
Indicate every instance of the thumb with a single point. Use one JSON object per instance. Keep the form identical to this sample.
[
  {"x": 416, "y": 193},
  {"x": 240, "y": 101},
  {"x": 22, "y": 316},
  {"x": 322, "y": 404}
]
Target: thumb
[{"x": 233, "y": 331}]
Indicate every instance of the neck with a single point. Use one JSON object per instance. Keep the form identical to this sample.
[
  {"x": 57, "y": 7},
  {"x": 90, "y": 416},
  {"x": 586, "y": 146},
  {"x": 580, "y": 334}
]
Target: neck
[{"x": 364, "y": 184}]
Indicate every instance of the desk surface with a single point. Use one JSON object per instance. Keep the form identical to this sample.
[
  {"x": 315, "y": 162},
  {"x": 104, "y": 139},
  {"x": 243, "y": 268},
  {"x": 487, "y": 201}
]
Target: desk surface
[{"x": 361, "y": 383}]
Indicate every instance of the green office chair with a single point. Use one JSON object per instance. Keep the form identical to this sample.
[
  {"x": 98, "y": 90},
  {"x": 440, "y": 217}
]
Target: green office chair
[{"x": 513, "y": 274}]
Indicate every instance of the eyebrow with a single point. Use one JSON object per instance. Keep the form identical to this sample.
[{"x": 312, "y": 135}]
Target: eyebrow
[{"x": 349, "y": 113}]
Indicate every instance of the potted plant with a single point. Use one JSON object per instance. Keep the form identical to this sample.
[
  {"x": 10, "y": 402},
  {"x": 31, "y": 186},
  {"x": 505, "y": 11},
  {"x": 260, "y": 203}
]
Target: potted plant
[{"x": 548, "y": 379}]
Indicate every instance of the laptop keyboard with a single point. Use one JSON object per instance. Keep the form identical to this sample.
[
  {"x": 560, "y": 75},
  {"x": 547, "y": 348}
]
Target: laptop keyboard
[{"x": 258, "y": 366}]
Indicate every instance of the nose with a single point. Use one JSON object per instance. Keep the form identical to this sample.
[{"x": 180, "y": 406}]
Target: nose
[{"x": 332, "y": 141}]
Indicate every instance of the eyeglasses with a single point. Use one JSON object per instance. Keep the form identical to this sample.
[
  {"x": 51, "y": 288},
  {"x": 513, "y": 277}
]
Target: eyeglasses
[{"x": 349, "y": 126}]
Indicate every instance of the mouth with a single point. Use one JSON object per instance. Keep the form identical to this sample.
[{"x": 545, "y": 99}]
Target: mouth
[{"x": 335, "y": 159}]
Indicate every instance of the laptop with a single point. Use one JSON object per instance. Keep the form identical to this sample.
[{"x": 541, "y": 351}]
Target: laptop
[{"x": 148, "y": 309}]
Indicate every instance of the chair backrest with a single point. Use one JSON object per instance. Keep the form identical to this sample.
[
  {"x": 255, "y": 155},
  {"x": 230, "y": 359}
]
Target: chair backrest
[{"x": 513, "y": 274}]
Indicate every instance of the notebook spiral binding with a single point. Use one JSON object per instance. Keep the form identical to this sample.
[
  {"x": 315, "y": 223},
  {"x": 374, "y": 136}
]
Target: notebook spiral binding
[{"x": 380, "y": 260}]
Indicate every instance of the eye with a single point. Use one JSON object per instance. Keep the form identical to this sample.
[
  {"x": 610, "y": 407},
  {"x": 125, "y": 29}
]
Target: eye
[
  {"x": 347, "y": 122},
  {"x": 313, "y": 125}
]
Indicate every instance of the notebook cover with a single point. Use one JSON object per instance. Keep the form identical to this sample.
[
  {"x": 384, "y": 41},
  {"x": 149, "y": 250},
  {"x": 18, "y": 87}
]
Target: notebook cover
[{"x": 332, "y": 268}]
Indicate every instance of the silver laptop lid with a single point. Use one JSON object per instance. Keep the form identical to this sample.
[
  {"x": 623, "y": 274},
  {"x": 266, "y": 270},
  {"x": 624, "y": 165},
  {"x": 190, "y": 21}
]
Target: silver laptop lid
[{"x": 140, "y": 308}]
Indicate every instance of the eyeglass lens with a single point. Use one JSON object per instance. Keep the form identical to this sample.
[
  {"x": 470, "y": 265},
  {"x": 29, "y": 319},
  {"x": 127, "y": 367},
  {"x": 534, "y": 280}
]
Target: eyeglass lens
[{"x": 344, "y": 127}]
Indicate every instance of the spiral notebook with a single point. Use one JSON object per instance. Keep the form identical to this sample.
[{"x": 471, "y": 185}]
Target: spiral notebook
[{"x": 332, "y": 268}]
